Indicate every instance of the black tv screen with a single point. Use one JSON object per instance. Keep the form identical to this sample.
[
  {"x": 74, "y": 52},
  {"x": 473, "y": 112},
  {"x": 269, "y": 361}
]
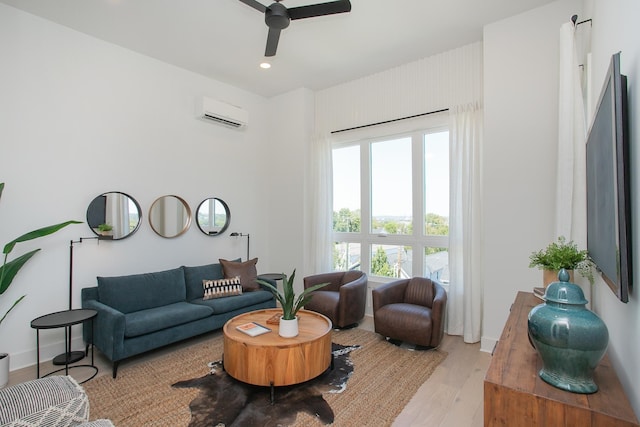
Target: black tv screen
[{"x": 608, "y": 203}]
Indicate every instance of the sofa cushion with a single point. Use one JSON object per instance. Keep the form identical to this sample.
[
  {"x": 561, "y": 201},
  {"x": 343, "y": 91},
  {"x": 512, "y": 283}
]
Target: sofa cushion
[
  {"x": 193, "y": 277},
  {"x": 246, "y": 270},
  {"x": 225, "y": 305},
  {"x": 155, "y": 319},
  {"x": 221, "y": 288},
  {"x": 141, "y": 291}
]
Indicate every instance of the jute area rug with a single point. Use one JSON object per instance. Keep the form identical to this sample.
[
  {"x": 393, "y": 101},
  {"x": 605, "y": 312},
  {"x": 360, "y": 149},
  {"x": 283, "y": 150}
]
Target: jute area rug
[{"x": 384, "y": 379}]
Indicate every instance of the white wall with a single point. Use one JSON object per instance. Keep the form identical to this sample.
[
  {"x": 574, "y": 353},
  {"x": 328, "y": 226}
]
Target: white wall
[
  {"x": 79, "y": 117},
  {"x": 445, "y": 80},
  {"x": 520, "y": 149},
  {"x": 615, "y": 29},
  {"x": 291, "y": 128},
  {"x": 520, "y": 140}
]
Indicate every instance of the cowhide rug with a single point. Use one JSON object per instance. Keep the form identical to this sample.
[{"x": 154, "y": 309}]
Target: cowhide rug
[{"x": 224, "y": 401}]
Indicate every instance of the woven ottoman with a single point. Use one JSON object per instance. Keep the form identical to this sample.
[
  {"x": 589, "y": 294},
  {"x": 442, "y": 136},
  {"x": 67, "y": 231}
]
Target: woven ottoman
[{"x": 56, "y": 401}]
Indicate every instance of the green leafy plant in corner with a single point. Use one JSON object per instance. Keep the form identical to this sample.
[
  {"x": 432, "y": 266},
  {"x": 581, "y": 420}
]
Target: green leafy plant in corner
[
  {"x": 291, "y": 303},
  {"x": 562, "y": 254},
  {"x": 9, "y": 269}
]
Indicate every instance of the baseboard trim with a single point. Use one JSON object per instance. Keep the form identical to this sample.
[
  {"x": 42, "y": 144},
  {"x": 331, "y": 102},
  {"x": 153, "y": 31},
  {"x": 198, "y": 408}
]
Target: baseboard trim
[
  {"x": 488, "y": 344},
  {"x": 47, "y": 352}
]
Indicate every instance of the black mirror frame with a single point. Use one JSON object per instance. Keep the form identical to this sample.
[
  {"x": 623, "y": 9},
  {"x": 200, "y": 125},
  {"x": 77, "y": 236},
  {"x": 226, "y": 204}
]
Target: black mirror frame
[
  {"x": 135, "y": 202},
  {"x": 226, "y": 209}
]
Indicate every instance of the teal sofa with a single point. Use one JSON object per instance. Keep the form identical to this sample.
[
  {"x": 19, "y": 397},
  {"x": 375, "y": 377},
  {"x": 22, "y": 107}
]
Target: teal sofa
[{"x": 142, "y": 312}]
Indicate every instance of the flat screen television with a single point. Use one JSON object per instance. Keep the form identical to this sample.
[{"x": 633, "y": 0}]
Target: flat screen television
[{"x": 608, "y": 196}]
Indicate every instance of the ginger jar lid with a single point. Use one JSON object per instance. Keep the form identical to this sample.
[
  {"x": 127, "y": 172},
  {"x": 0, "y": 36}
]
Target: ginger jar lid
[{"x": 565, "y": 292}]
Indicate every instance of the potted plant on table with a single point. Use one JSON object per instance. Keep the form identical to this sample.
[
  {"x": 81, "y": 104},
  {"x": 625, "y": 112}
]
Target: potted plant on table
[
  {"x": 9, "y": 270},
  {"x": 290, "y": 303},
  {"x": 562, "y": 254}
]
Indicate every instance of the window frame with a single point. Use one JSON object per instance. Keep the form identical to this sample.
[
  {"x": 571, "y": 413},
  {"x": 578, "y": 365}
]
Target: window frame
[{"x": 418, "y": 240}]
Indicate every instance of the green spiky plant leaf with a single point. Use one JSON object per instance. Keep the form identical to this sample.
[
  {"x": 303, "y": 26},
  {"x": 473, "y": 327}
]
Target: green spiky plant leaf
[
  {"x": 10, "y": 269},
  {"x": 288, "y": 300}
]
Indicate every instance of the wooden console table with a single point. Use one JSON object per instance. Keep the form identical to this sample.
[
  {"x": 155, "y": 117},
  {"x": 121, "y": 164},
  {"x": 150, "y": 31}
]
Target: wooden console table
[{"x": 514, "y": 394}]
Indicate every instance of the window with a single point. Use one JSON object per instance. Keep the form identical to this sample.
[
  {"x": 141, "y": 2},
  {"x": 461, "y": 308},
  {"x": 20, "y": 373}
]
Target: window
[
  {"x": 391, "y": 203},
  {"x": 391, "y": 186}
]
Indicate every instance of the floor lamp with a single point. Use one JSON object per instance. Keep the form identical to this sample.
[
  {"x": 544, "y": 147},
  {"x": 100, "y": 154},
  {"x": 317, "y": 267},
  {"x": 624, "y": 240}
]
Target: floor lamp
[
  {"x": 236, "y": 234},
  {"x": 73, "y": 356}
]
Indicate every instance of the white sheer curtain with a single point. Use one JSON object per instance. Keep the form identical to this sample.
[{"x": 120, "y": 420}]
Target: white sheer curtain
[
  {"x": 320, "y": 207},
  {"x": 571, "y": 172},
  {"x": 117, "y": 214},
  {"x": 464, "y": 304}
]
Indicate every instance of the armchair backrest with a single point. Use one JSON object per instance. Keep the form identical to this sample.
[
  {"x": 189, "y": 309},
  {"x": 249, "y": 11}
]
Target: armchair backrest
[
  {"x": 420, "y": 291},
  {"x": 335, "y": 279}
]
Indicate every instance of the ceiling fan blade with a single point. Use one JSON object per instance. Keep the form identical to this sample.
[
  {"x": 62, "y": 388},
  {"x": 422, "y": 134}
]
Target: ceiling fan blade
[
  {"x": 272, "y": 42},
  {"x": 255, "y": 4},
  {"x": 321, "y": 9}
]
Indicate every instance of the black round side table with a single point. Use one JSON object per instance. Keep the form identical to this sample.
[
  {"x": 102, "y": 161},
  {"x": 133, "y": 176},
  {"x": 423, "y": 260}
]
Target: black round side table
[{"x": 65, "y": 319}]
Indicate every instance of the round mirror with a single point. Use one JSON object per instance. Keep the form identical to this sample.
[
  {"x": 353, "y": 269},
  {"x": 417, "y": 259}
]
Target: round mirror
[
  {"x": 114, "y": 215},
  {"x": 170, "y": 216},
  {"x": 213, "y": 216}
]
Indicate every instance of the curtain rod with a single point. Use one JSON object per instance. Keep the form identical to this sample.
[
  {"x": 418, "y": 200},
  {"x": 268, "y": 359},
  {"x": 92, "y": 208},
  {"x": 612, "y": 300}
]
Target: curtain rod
[
  {"x": 389, "y": 121},
  {"x": 574, "y": 18}
]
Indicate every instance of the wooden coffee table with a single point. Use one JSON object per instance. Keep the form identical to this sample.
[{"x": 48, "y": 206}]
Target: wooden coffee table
[{"x": 270, "y": 360}]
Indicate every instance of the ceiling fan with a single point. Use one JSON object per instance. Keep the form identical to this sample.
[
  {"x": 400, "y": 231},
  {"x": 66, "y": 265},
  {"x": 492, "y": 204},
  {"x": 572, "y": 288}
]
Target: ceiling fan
[{"x": 277, "y": 16}]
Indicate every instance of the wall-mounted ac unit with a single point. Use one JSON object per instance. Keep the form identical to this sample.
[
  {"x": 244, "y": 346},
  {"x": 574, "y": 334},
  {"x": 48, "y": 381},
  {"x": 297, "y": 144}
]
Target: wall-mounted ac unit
[{"x": 223, "y": 113}]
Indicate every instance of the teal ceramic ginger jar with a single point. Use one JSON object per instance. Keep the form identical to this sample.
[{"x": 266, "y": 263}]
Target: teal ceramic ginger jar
[{"x": 570, "y": 339}]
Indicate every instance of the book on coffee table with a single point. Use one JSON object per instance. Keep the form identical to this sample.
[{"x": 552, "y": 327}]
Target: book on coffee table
[
  {"x": 275, "y": 319},
  {"x": 253, "y": 329}
]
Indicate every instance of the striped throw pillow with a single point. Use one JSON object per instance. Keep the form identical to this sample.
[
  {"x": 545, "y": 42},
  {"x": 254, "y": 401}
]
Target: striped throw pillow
[{"x": 221, "y": 288}]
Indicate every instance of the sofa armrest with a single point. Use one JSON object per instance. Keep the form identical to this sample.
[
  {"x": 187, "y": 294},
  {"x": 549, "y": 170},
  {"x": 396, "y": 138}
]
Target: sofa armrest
[
  {"x": 353, "y": 299},
  {"x": 353, "y": 288},
  {"x": 438, "y": 309},
  {"x": 108, "y": 329},
  {"x": 389, "y": 293}
]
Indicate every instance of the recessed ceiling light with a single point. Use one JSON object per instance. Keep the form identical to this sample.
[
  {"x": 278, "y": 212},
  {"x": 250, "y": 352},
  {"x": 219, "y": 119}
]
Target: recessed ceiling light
[{"x": 265, "y": 65}]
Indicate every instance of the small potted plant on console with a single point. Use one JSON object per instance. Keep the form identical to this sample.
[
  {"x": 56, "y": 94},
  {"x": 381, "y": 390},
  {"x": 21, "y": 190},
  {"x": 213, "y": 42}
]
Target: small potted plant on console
[{"x": 562, "y": 254}]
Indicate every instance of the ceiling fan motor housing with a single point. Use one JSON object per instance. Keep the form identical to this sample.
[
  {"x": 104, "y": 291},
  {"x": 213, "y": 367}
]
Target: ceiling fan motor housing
[{"x": 276, "y": 16}]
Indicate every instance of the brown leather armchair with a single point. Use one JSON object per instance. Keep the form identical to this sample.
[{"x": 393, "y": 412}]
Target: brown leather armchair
[
  {"x": 410, "y": 310},
  {"x": 342, "y": 300}
]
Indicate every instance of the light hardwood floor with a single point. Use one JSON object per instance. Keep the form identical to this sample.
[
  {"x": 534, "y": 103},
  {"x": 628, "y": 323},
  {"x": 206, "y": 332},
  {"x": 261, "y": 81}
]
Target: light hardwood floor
[
  {"x": 451, "y": 397},
  {"x": 453, "y": 394}
]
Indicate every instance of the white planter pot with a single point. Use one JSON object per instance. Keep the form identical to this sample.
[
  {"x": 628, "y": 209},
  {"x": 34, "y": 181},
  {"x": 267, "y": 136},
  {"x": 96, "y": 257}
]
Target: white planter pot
[
  {"x": 288, "y": 328},
  {"x": 4, "y": 369}
]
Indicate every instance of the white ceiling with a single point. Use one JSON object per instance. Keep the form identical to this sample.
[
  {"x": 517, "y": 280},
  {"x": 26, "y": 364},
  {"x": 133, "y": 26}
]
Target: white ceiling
[{"x": 225, "y": 39}]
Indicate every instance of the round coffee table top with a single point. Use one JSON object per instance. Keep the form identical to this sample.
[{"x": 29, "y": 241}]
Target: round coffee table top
[
  {"x": 311, "y": 326},
  {"x": 271, "y": 360}
]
